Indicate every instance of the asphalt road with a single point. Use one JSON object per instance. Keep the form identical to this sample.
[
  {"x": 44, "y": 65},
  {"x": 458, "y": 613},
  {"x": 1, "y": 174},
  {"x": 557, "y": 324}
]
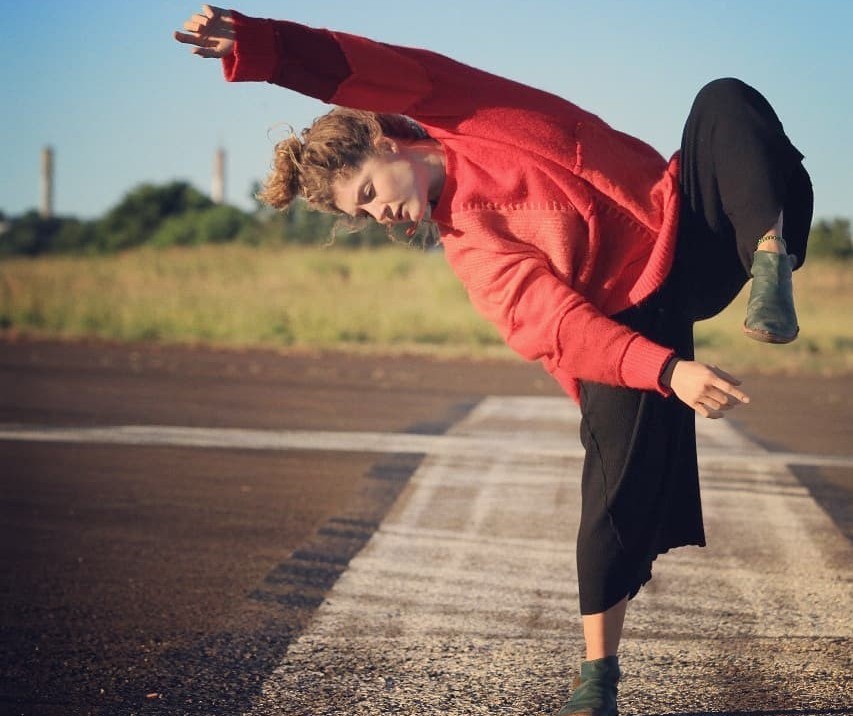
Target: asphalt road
[{"x": 146, "y": 577}]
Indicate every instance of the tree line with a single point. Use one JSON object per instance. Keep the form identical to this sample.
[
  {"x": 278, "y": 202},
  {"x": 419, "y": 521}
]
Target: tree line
[{"x": 177, "y": 214}]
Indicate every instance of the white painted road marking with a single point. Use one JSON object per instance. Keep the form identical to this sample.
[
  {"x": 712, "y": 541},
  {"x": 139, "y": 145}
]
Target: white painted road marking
[
  {"x": 464, "y": 600},
  {"x": 523, "y": 442}
]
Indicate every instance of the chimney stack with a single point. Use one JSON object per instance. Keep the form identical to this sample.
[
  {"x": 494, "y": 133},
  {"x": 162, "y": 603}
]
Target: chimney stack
[
  {"x": 217, "y": 192},
  {"x": 46, "y": 182}
]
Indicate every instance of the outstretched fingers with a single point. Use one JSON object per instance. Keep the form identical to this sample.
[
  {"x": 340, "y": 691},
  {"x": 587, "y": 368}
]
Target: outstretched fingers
[
  {"x": 727, "y": 386},
  {"x": 707, "y": 389},
  {"x": 211, "y": 30},
  {"x": 216, "y": 16},
  {"x": 212, "y": 53},
  {"x": 196, "y": 23},
  {"x": 193, "y": 39},
  {"x": 719, "y": 394}
]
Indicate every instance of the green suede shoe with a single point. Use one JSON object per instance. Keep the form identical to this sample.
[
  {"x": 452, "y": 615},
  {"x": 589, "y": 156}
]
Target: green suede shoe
[
  {"x": 770, "y": 314},
  {"x": 595, "y": 691}
]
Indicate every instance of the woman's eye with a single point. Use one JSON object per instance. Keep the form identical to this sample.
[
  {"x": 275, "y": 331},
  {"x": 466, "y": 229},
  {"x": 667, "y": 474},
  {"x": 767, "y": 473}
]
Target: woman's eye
[{"x": 368, "y": 191}]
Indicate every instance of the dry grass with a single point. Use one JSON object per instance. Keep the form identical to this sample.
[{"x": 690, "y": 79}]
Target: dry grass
[
  {"x": 388, "y": 299},
  {"x": 235, "y": 295}
]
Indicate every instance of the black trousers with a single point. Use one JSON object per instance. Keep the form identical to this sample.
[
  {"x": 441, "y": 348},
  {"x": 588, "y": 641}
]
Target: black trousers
[{"x": 640, "y": 485}]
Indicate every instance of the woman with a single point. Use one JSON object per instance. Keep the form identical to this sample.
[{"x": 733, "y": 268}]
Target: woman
[{"x": 588, "y": 251}]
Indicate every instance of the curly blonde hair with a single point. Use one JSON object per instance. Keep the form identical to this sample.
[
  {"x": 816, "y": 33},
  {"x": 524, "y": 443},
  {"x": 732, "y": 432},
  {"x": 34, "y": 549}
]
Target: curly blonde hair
[{"x": 333, "y": 147}]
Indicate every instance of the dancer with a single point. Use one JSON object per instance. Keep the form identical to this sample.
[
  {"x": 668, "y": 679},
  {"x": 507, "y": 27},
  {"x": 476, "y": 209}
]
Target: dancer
[{"x": 588, "y": 250}]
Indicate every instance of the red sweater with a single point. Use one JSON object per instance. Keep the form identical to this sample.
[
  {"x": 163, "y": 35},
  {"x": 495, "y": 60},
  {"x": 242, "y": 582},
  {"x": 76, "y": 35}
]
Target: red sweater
[{"x": 552, "y": 220}]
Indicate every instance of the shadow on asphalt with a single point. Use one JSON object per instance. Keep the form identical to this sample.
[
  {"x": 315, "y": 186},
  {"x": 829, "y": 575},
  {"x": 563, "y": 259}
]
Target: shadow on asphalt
[
  {"x": 834, "y": 499},
  {"x": 223, "y": 673}
]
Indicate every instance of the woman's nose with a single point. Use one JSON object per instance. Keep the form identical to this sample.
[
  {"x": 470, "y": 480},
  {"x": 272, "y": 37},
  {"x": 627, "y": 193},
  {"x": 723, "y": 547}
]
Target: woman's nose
[{"x": 384, "y": 214}]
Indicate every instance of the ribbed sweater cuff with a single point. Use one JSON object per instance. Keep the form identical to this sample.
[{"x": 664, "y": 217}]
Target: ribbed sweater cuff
[
  {"x": 643, "y": 364},
  {"x": 254, "y": 58}
]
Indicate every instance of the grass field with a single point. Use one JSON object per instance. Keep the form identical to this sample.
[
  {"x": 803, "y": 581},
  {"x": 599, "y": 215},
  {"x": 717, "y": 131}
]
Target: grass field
[{"x": 389, "y": 299}]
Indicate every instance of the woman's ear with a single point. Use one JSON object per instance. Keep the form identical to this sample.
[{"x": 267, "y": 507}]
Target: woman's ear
[{"x": 386, "y": 145}]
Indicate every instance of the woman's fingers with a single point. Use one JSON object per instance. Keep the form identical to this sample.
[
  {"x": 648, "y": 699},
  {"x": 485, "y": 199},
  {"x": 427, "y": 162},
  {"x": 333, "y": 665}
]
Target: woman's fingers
[
  {"x": 709, "y": 407},
  {"x": 718, "y": 398},
  {"x": 185, "y": 38},
  {"x": 714, "y": 404},
  {"x": 211, "y": 31},
  {"x": 188, "y": 39},
  {"x": 731, "y": 394},
  {"x": 197, "y": 23},
  {"x": 708, "y": 390},
  {"x": 722, "y": 400},
  {"x": 215, "y": 15},
  {"x": 207, "y": 52},
  {"x": 728, "y": 384},
  {"x": 707, "y": 412},
  {"x": 208, "y": 28},
  {"x": 725, "y": 376}
]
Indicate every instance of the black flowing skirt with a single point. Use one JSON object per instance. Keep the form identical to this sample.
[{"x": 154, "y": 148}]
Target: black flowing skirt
[{"x": 640, "y": 484}]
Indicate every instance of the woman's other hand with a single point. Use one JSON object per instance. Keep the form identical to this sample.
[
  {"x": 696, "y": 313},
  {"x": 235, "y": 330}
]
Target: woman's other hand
[
  {"x": 211, "y": 31},
  {"x": 707, "y": 389}
]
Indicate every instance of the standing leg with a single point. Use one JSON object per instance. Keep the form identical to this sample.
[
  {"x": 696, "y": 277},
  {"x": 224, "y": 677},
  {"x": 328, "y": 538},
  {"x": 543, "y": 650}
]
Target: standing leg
[
  {"x": 640, "y": 497},
  {"x": 602, "y": 632},
  {"x": 596, "y": 689}
]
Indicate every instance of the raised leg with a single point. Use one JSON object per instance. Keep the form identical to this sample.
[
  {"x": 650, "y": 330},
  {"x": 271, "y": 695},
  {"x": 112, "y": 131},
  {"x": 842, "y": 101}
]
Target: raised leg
[
  {"x": 739, "y": 175},
  {"x": 770, "y": 313}
]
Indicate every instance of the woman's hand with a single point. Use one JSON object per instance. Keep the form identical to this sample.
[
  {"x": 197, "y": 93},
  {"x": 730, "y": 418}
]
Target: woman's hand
[
  {"x": 212, "y": 31},
  {"x": 705, "y": 388}
]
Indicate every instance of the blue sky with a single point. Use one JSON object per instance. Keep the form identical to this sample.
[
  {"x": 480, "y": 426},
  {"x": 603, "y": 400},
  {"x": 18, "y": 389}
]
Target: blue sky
[{"x": 122, "y": 103}]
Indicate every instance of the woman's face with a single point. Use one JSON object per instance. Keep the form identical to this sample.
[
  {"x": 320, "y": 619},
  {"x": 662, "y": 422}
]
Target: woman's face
[{"x": 392, "y": 187}]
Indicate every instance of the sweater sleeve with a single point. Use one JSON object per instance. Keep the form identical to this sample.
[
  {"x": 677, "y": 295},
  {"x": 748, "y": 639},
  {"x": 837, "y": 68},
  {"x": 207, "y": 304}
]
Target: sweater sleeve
[
  {"x": 353, "y": 71},
  {"x": 304, "y": 59},
  {"x": 542, "y": 318}
]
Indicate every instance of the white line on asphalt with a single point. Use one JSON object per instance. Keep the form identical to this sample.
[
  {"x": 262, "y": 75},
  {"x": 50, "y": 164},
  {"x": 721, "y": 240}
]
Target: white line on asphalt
[
  {"x": 464, "y": 600},
  {"x": 712, "y": 456}
]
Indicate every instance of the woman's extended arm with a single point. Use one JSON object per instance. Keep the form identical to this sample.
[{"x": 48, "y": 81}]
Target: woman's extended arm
[
  {"x": 353, "y": 71},
  {"x": 542, "y": 318}
]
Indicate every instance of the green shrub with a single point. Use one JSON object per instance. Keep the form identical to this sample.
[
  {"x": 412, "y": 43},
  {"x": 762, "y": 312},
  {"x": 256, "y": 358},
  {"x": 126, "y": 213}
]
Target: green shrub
[
  {"x": 32, "y": 235},
  {"x": 214, "y": 225},
  {"x": 831, "y": 239},
  {"x": 135, "y": 219}
]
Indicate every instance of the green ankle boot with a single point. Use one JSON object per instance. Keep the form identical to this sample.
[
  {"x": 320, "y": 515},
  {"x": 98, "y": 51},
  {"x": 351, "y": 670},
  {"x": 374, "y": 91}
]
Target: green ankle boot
[
  {"x": 595, "y": 691},
  {"x": 770, "y": 314}
]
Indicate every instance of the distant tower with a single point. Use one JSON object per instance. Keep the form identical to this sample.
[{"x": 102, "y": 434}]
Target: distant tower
[
  {"x": 46, "y": 182},
  {"x": 217, "y": 192}
]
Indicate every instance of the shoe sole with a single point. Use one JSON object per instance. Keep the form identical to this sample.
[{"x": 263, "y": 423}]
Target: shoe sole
[{"x": 767, "y": 337}]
